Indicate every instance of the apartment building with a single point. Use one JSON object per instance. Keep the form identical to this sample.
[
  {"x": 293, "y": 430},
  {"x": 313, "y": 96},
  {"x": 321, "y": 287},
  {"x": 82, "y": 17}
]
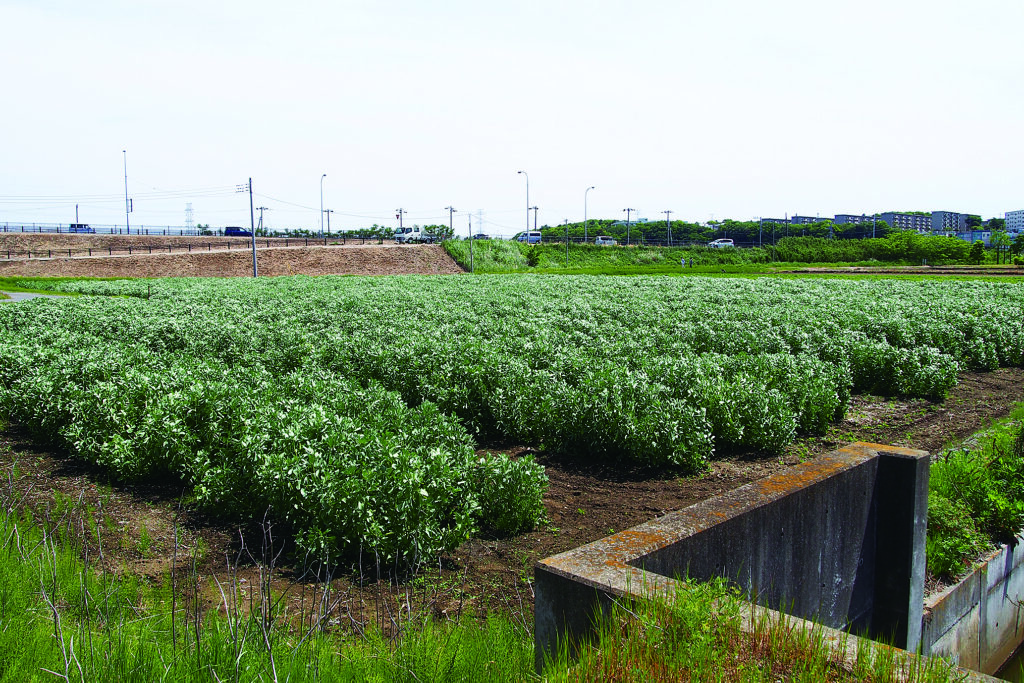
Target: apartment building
[
  {"x": 807, "y": 220},
  {"x": 949, "y": 222},
  {"x": 907, "y": 221},
  {"x": 1015, "y": 221},
  {"x": 855, "y": 219}
]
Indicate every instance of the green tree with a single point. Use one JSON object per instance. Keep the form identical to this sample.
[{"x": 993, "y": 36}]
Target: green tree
[
  {"x": 996, "y": 223},
  {"x": 1001, "y": 241},
  {"x": 977, "y": 252},
  {"x": 442, "y": 232},
  {"x": 1017, "y": 248}
]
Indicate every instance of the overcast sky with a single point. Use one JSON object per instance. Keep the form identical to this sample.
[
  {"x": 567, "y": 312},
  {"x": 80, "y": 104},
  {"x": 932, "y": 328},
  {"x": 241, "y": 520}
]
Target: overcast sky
[{"x": 724, "y": 109}]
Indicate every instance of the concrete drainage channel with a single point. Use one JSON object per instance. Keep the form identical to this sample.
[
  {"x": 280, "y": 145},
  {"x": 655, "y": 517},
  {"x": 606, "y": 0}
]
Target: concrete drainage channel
[{"x": 839, "y": 540}]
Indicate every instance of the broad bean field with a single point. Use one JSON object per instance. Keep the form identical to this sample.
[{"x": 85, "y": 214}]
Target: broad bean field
[{"x": 351, "y": 407}]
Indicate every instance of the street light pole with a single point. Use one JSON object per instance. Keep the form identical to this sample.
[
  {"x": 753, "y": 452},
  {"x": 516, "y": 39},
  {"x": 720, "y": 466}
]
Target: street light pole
[
  {"x": 527, "y": 176},
  {"x": 567, "y": 243},
  {"x": 322, "y": 204},
  {"x": 628, "y": 211},
  {"x": 127, "y": 224},
  {"x": 585, "y": 212},
  {"x": 472, "y": 267}
]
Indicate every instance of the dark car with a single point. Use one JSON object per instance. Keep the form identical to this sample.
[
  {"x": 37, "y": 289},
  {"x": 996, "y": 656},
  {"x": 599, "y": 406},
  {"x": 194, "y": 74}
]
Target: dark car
[
  {"x": 481, "y": 236},
  {"x": 236, "y": 232}
]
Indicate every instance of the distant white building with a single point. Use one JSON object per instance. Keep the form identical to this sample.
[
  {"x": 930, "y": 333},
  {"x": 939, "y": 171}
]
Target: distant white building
[{"x": 1015, "y": 221}]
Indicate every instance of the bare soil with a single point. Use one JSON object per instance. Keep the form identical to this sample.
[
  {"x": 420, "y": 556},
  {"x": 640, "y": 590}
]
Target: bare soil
[
  {"x": 150, "y": 530},
  {"x": 175, "y": 256}
]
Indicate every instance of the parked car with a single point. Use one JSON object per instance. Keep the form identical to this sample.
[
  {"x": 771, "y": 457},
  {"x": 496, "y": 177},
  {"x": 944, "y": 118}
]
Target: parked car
[
  {"x": 604, "y": 239},
  {"x": 481, "y": 236},
  {"x": 234, "y": 231},
  {"x": 721, "y": 244},
  {"x": 81, "y": 227}
]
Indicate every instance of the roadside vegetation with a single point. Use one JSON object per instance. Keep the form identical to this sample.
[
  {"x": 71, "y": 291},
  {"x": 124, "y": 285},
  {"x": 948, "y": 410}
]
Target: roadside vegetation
[
  {"x": 897, "y": 248},
  {"x": 504, "y": 256},
  {"x": 976, "y": 497}
]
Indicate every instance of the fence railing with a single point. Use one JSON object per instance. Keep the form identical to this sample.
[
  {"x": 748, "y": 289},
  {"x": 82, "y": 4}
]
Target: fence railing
[{"x": 69, "y": 228}]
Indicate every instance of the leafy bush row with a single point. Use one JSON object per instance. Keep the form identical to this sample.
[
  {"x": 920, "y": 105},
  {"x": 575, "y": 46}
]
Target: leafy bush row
[
  {"x": 655, "y": 370},
  {"x": 351, "y": 467}
]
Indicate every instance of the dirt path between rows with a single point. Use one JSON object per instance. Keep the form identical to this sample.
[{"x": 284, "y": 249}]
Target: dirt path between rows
[{"x": 583, "y": 503}]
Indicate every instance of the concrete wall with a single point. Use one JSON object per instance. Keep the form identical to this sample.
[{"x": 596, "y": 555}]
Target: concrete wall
[
  {"x": 838, "y": 539},
  {"x": 978, "y": 622}
]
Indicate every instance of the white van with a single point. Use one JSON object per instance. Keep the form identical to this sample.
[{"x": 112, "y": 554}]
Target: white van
[{"x": 531, "y": 237}]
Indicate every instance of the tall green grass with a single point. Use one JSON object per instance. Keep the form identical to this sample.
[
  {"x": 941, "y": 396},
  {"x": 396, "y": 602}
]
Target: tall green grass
[
  {"x": 700, "y": 636},
  {"x": 976, "y": 497},
  {"x": 501, "y": 256},
  {"x": 62, "y": 618}
]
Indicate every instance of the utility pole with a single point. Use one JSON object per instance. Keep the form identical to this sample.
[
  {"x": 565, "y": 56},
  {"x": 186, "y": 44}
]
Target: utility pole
[
  {"x": 628, "y": 211},
  {"x": 534, "y": 218},
  {"x": 261, "y": 209},
  {"x": 252, "y": 231},
  {"x": 127, "y": 204},
  {"x": 668, "y": 226},
  {"x": 401, "y": 212},
  {"x": 328, "y": 212}
]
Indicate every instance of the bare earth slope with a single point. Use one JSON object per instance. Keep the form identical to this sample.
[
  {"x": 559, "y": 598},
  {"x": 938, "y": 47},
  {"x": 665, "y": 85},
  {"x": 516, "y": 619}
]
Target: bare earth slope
[{"x": 387, "y": 259}]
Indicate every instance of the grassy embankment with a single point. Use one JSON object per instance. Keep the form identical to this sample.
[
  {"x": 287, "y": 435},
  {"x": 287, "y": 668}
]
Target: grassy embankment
[{"x": 500, "y": 256}]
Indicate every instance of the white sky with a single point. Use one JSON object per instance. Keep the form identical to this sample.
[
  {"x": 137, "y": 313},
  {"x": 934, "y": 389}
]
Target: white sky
[{"x": 731, "y": 109}]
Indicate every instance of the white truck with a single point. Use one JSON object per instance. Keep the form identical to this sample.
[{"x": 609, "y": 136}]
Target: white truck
[{"x": 413, "y": 234}]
